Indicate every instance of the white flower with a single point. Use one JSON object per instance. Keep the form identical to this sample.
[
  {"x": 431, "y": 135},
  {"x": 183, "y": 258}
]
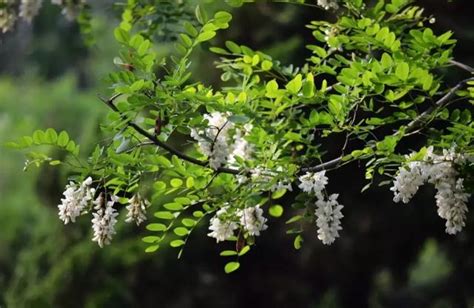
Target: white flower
[
  {"x": 29, "y": 9},
  {"x": 252, "y": 220},
  {"x": 328, "y": 213},
  {"x": 76, "y": 198},
  {"x": 328, "y": 4},
  {"x": 313, "y": 182},
  {"x": 222, "y": 228},
  {"x": 137, "y": 209},
  {"x": 104, "y": 220}
]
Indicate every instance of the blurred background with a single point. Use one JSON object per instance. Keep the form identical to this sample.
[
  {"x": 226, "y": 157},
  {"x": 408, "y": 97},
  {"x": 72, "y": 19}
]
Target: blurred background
[{"x": 388, "y": 255}]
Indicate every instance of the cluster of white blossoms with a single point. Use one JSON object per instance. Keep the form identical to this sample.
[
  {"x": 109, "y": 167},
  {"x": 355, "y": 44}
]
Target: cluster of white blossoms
[
  {"x": 104, "y": 220},
  {"x": 7, "y": 16},
  {"x": 440, "y": 171},
  {"x": 216, "y": 143},
  {"x": 76, "y": 198},
  {"x": 137, "y": 209},
  {"x": 29, "y": 9},
  {"x": 223, "y": 224},
  {"x": 79, "y": 199},
  {"x": 328, "y": 4},
  {"x": 328, "y": 211}
]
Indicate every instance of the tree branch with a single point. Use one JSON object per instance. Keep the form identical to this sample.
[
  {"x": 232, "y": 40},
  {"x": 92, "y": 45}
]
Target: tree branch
[
  {"x": 462, "y": 66},
  {"x": 110, "y": 103},
  {"x": 412, "y": 126}
]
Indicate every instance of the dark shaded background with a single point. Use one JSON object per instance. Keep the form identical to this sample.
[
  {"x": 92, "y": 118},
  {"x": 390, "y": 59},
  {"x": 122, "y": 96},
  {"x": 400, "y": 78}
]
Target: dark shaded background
[{"x": 389, "y": 255}]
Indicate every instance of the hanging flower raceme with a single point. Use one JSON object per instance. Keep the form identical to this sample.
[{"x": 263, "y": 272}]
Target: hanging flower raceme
[
  {"x": 328, "y": 211},
  {"x": 137, "y": 209},
  {"x": 104, "y": 220},
  {"x": 7, "y": 18},
  {"x": 29, "y": 9},
  {"x": 76, "y": 198},
  {"x": 439, "y": 170}
]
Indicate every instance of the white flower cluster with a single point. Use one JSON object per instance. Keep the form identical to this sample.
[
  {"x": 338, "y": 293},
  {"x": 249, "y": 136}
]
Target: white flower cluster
[
  {"x": 223, "y": 224},
  {"x": 221, "y": 227},
  {"x": 328, "y": 211},
  {"x": 328, "y": 4},
  {"x": 76, "y": 198},
  {"x": 440, "y": 171},
  {"x": 313, "y": 182},
  {"x": 215, "y": 142},
  {"x": 137, "y": 209},
  {"x": 29, "y": 9},
  {"x": 252, "y": 220},
  {"x": 7, "y": 18},
  {"x": 104, "y": 220}
]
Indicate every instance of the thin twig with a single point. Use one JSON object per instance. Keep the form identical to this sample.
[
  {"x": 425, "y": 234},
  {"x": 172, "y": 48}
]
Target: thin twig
[
  {"x": 412, "y": 126},
  {"x": 155, "y": 140},
  {"x": 462, "y": 66}
]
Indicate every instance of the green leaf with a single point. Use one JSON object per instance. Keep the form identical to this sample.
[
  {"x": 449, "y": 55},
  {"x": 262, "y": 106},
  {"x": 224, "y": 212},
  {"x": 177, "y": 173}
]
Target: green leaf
[
  {"x": 228, "y": 253},
  {"x": 156, "y": 227},
  {"x": 164, "y": 215},
  {"x": 152, "y": 248},
  {"x": 150, "y": 239},
  {"x": 173, "y": 206},
  {"x": 176, "y": 183},
  {"x": 159, "y": 186},
  {"x": 294, "y": 219},
  {"x": 190, "y": 29},
  {"x": 294, "y": 85},
  {"x": 181, "y": 231},
  {"x": 266, "y": 65},
  {"x": 188, "y": 222},
  {"x": 231, "y": 267},
  {"x": 402, "y": 71},
  {"x": 51, "y": 136},
  {"x": 272, "y": 89},
  {"x": 177, "y": 243},
  {"x": 63, "y": 139},
  {"x": 223, "y": 17},
  {"x": 297, "y": 242},
  {"x": 233, "y": 47},
  {"x": 278, "y": 193},
  {"x": 121, "y": 35},
  {"x": 39, "y": 137},
  {"x": 276, "y": 210},
  {"x": 201, "y": 15},
  {"x": 189, "y": 182},
  {"x": 206, "y": 36},
  {"x": 244, "y": 250}
]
